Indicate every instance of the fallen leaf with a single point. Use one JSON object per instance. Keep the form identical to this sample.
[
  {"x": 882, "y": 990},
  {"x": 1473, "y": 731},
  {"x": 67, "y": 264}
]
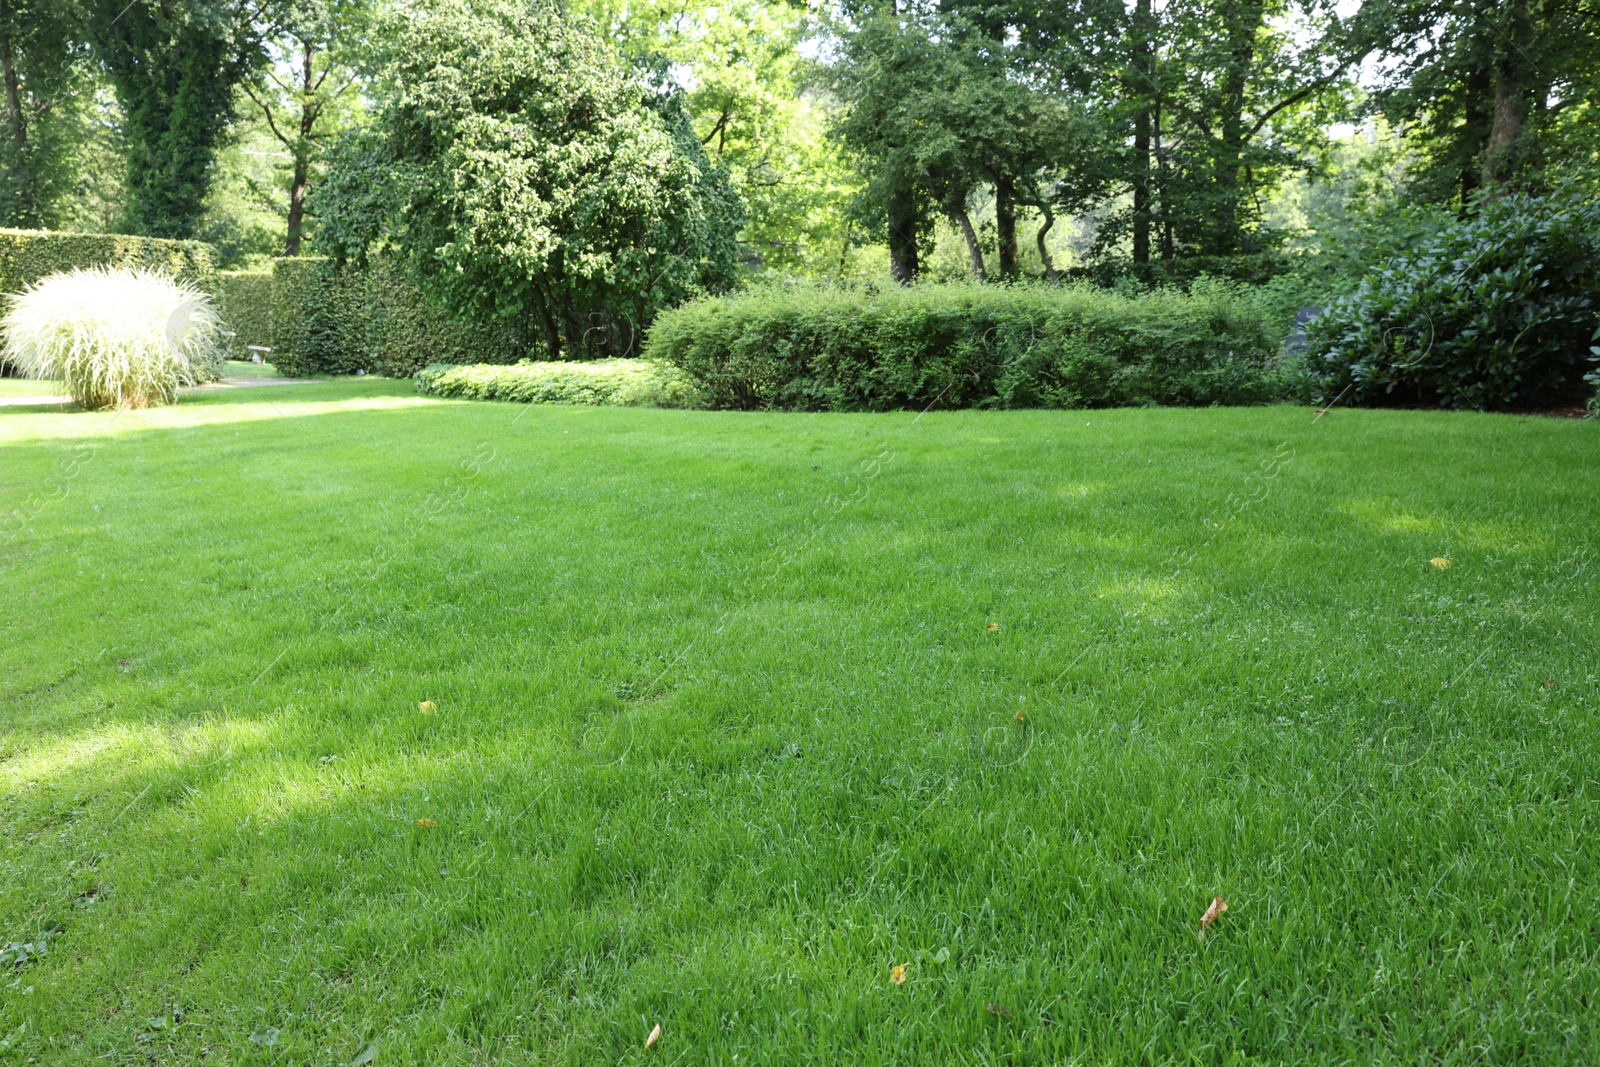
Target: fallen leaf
[
  {"x": 898, "y": 975},
  {"x": 426, "y": 822},
  {"x": 992, "y": 626},
  {"x": 368, "y": 1053},
  {"x": 428, "y": 707},
  {"x": 655, "y": 1035},
  {"x": 1020, "y": 716},
  {"x": 1440, "y": 562},
  {"x": 1000, "y": 1010},
  {"x": 265, "y": 1036},
  {"x": 1218, "y": 906}
]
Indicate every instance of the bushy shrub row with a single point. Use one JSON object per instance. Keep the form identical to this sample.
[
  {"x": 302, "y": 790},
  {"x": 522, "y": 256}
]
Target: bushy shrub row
[
  {"x": 625, "y": 382},
  {"x": 864, "y": 349},
  {"x": 332, "y": 319},
  {"x": 30, "y": 256},
  {"x": 1498, "y": 311}
]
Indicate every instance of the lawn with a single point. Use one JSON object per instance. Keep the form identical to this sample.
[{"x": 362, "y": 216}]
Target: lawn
[{"x": 733, "y": 714}]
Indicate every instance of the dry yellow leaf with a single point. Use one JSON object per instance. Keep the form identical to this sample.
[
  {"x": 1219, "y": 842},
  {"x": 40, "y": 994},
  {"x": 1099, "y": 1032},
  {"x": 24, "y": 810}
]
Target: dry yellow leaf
[
  {"x": 898, "y": 975},
  {"x": 1218, "y": 906},
  {"x": 428, "y": 707},
  {"x": 655, "y": 1035},
  {"x": 1020, "y": 716},
  {"x": 1440, "y": 562},
  {"x": 992, "y": 626},
  {"x": 426, "y": 822}
]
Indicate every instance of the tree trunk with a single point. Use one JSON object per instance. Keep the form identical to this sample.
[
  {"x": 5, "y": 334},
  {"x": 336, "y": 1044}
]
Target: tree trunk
[
  {"x": 1510, "y": 110},
  {"x": 974, "y": 250},
  {"x": 302, "y": 154},
  {"x": 1475, "y": 121},
  {"x": 903, "y": 237},
  {"x": 1163, "y": 198},
  {"x": 1005, "y": 224},
  {"x": 1243, "y": 26},
  {"x": 1141, "y": 132},
  {"x": 1044, "y": 249},
  {"x": 17, "y": 119}
]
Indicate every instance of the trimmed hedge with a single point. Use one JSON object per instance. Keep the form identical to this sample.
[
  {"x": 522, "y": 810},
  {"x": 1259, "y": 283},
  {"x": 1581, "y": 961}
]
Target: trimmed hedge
[
  {"x": 624, "y": 382},
  {"x": 244, "y": 299},
  {"x": 1497, "y": 311},
  {"x": 332, "y": 319},
  {"x": 28, "y": 256},
  {"x": 829, "y": 349}
]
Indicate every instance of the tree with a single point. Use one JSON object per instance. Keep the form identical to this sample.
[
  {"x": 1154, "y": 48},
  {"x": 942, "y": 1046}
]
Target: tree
[
  {"x": 518, "y": 172},
  {"x": 47, "y": 97},
  {"x": 310, "y": 73},
  {"x": 174, "y": 66}
]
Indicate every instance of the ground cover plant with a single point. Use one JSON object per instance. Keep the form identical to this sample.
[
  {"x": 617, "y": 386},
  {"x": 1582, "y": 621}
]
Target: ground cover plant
[
  {"x": 379, "y": 728},
  {"x": 624, "y": 382},
  {"x": 114, "y": 338}
]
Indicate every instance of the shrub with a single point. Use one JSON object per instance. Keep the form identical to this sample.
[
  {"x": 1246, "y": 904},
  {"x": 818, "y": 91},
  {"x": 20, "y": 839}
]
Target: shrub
[
  {"x": 332, "y": 319},
  {"x": 817, "y": 348},
  {"x": 116, "y": 338},
  {"x": 30, "y": 256},
  {"x": 1493, "y": 312},
  {"x": 624, "y": 382},
  {"x": 244, "y": 301}
]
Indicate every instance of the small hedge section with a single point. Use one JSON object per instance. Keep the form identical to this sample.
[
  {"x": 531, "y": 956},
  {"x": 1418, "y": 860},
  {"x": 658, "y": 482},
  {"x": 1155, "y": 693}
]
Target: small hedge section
[
  {"x": 1498, "y": 311},
  {"x": 244, "y": 300},
  {"x": 621, "y": 382},
  {"x": 814, "y": 348},
  {"x": 29, "y": 256},
  {"x": 333, "y": 319}
]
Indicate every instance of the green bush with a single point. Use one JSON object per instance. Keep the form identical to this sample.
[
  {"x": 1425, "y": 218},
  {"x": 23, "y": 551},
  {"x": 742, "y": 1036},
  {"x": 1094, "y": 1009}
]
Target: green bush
[
  {"x": 1497, "y": 311},
  {"x": 244, "y": 300},
  {"x": 864, "y": 349},
  {"x": 623, "y": 382},
  {"x": 30, "y": 256},
  {"x": 333, "y": 319}
]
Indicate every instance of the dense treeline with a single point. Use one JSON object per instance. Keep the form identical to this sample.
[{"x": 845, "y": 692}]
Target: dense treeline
[{"x": 571, "y": 167}]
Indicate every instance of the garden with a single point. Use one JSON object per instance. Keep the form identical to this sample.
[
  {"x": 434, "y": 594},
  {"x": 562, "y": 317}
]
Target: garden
[{"x": 799, "y": 534}]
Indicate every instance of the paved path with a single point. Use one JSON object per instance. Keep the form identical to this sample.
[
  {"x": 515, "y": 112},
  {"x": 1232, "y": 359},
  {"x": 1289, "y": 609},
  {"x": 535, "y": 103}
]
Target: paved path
[{"x": 232, "y": 383}]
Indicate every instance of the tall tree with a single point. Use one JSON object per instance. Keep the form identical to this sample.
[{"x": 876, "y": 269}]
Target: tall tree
[
  {"x": 313, "y": 47},
  {"x": 47, "y": 78},
  {"x": 174, "y": 65}
]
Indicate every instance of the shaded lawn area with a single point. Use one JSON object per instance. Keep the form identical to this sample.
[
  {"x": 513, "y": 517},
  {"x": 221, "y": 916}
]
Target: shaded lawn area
[{"x": 735, "y": 713}]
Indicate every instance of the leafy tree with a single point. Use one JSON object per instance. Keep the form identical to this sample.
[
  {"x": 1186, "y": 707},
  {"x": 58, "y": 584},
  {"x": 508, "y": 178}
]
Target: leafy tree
[
  {"x": 48, "y": 87},
  {"x": 518, "y": 171},
  {"x": 744, "y": 84},
  {"x": 312, "y": 45},
  {"x": 174, "y": 66}
]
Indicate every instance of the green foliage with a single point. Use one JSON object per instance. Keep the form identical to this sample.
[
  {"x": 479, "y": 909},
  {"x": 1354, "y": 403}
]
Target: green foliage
[
  {"x": 29, "y": 256},
  {"x": 328, "y": 318},
  {"x": 174, "y": 66},
  {"x": 115, "y": 338},
  {"x": 244, "y": 301},
  {"x": 862, "y": 349},
  {"x": 520, "y": 174},
  {"x": 619, "y": 382},
  {"x": 1497, "y": 311},
  {"x": 45, "y": 110}
]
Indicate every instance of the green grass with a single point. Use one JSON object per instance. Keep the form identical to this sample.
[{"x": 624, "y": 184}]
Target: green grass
[
  {"x": 240, "y": 370},
  {"x": 723, "y": 734},
  {"x": 30, "y": 387}
]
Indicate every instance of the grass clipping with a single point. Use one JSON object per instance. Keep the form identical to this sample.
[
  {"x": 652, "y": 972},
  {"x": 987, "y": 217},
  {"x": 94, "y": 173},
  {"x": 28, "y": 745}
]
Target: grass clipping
[
  {"x": 114, "y": 338},
  {"x": 622, "y": 382}
]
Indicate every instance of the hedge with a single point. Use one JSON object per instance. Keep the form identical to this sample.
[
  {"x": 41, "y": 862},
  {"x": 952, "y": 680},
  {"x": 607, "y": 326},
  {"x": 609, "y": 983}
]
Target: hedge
[
  {"x": 331, "y": 319},
  {"x": 244, "y": 298},
  {"x": 818, "y": 348},
  {"x": 27, "y": 256},
  {"x": 623, "y": 382}
]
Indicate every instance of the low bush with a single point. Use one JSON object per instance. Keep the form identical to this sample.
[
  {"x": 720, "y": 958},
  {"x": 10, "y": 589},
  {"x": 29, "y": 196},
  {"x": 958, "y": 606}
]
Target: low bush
[
  {"x": 1496, "y": 311},
  {"x": 333, "y": 319},
  {"x": 865, "y": 349},
  {"x": 244, "y": 300},
  {"x": 623, "y": 382},
  {"x": 115, "y": 338},
  {"x": 30, "y": 256}
]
